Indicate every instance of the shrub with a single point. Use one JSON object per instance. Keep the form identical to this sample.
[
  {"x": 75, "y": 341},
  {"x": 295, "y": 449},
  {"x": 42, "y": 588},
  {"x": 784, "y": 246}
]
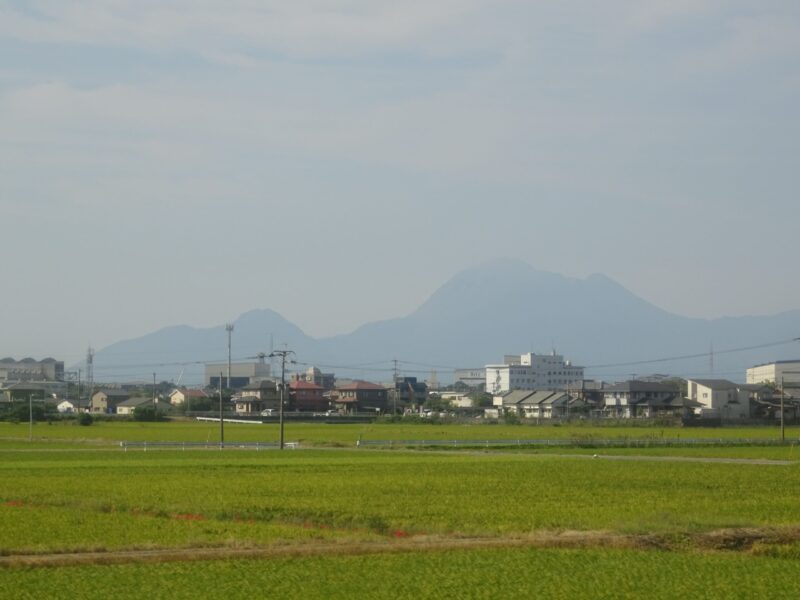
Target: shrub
[
  {"x": 85, "y": 419},
  {"x": 147, "y": 413}
]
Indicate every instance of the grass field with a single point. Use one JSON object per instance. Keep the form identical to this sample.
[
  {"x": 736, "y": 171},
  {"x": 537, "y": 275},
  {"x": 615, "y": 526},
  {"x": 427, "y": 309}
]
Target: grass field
[
  {"x": 321, "y": 434},
  {"x": 74, "y": 492}
]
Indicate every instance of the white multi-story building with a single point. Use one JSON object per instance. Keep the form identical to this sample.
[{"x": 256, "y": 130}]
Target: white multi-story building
[
  {"x": 532, "y": 372},
  {"x": 787, "y": 371}
]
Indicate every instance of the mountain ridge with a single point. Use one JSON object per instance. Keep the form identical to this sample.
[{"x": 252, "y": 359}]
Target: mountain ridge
[{"x": 476, "y": 317}]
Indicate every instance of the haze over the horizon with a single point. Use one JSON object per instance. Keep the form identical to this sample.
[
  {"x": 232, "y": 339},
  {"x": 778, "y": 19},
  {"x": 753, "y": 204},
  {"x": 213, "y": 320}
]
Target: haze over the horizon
[{"x": 180, "y": 162}]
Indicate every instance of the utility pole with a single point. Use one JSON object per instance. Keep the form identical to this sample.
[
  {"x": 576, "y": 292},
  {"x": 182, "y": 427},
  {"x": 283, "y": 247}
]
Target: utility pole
[
  {"x": 396, "y": 390},
  {"x": 282, "y": 354},
  {"x": 90, "y": 370},
  {"x": 229, "y": 329},
  {"x": 154, "y": 397},
  {"x": 221, "y": 415}
]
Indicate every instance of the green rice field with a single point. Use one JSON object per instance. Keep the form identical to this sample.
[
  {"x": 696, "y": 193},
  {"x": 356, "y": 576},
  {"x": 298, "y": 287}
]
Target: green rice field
[
  {"x": 333, "y": 520},
  {"x": 506, "y": 573},
  {"x": 346, "y": 434}
]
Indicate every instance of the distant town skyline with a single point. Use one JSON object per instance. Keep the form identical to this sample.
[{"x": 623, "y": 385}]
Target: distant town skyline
[{"x": 182, "y": 163}]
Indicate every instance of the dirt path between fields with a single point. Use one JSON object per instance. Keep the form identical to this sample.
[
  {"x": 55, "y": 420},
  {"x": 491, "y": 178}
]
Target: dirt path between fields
[
  {"x": 723, "y": 539},
  {"x": 696, "y": 459}
]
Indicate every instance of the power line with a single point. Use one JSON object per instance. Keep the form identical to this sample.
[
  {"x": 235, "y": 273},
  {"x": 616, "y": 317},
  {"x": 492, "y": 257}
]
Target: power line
[{"x": 690, "y": 356}]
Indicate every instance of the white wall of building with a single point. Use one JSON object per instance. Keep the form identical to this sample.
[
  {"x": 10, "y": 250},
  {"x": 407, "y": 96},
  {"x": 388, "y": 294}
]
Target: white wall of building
[
  {"x": 731, "y": 403},
  {"x": 772, "y": 373},
  {"x": 532, "y": 372}
]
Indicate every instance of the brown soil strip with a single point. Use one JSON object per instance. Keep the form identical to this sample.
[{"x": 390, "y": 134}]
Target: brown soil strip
[
  {"x": 724, "y": 539},
  {"x": 695, "y": 459}
]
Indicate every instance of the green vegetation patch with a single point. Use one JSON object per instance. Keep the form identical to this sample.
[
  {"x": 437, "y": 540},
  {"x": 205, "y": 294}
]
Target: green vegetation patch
[
  {"x": 370, "y": 493},
  {"x": 496, "y": 573}
]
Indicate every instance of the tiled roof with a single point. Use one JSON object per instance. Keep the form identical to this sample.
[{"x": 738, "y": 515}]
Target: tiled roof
[
  {"x": 361, "y": 385},
  {"x": 715, "y": 384},
  {"x": 136, "y": 402},
  {"x": 305, "y": 385},
  {"x": 192, "y": 393},
  {"x": 115, "y": 393},
  {"x": 639, "y": 386}
]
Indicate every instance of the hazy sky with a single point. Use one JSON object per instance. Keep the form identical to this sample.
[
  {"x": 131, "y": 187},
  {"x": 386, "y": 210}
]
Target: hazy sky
[{"x": 167, "y": 162}]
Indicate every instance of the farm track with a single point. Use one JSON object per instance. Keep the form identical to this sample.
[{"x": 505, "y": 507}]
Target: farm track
[
  {"x": 741, "y": 540},
  {"x": 628, "y": 457},
  {"x": 693, "y": 459},
  {"x": 540, "y": 454}
]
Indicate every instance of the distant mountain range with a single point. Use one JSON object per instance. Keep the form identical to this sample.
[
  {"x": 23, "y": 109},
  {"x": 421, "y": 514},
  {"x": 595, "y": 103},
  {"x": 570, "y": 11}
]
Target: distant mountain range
[{"x": 479, "y": 315}]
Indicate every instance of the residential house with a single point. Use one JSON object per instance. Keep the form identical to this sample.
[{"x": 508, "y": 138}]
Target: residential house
[
  {"x": 179, "y": 396},
  {"x": 641, "y": 399},
  {"x": 535, "y": 404},
  {"x": 256, "y": 397},
  {"x": 66, "y": 406},
  {"x": 719, "y": 398},
  {"x": 545, "y": 404},
  {"x": 307, "y": 396},
  {"x": 360, "y": 396},
  {"x": 408, "y": 392},
  {"x": 106, "y": 401},
  {"x": 457, "y": 399},
  {"x": 127, "y": 407}
]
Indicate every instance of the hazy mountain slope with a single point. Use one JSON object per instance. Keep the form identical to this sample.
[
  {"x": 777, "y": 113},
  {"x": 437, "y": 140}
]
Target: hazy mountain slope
[
  {"x": 479, "y": 315},
  {"x": 162, "y": 350}
]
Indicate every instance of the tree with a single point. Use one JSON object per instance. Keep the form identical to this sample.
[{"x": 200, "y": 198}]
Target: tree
[
  {"x": 435, "y": 402},
  {"x": 481, "y": 399},
  {"x": 147, "y": 413}
]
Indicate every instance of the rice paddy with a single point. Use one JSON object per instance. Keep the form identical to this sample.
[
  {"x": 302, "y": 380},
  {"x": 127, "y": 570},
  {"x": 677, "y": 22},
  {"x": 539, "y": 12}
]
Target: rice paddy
[{"x": 341, "y": 508}]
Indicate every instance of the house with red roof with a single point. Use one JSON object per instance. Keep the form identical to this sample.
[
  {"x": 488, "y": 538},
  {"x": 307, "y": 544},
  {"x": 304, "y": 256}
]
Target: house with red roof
[{"x": 307, "y": 396}]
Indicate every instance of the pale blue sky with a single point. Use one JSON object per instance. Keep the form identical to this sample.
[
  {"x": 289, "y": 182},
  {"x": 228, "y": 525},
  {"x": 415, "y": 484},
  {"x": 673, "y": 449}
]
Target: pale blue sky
[{"x": 185, "y": 161}]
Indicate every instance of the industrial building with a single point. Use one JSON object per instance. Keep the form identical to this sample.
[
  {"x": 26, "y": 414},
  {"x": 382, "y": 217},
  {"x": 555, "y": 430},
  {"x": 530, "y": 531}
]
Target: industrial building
[
  {"x": 786, "y": 371},
  {"x": 29, "y": 369},
  {"x": 242, "y": 373}
]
